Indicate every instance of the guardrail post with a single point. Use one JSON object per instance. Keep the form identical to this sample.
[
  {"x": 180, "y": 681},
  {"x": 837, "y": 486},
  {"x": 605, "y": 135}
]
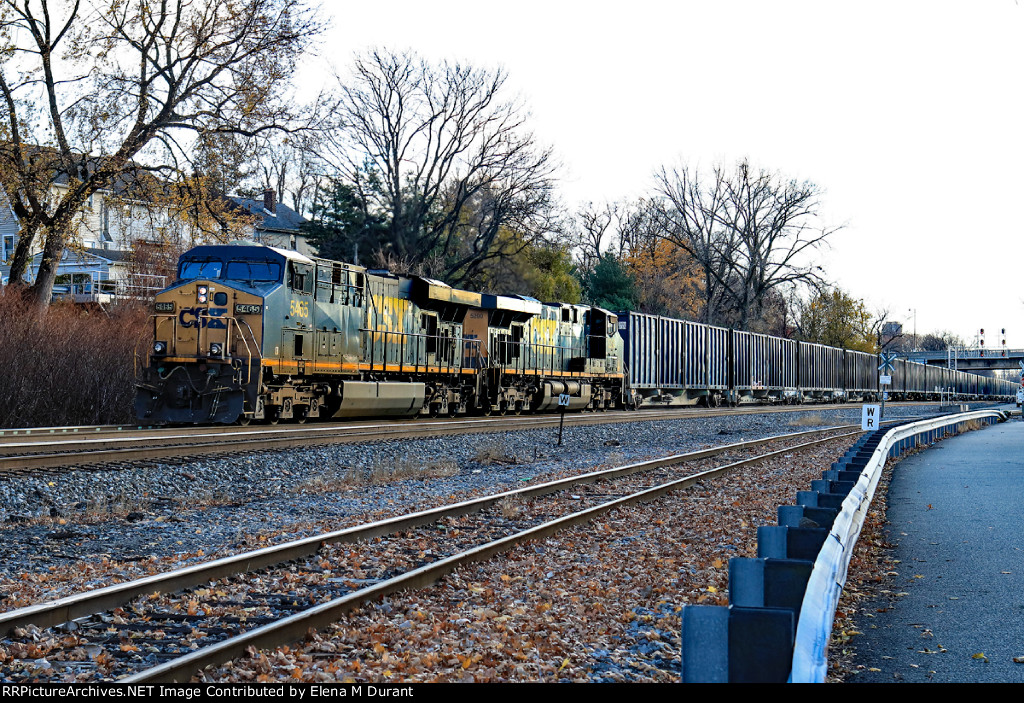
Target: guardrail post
[
  {"x": 752, "y": 639},
  {"x": 760, "y": 644},
  {"x": 705, "y": 644}
]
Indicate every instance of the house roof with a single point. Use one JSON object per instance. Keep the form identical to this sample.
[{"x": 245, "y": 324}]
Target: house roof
[{"x": 283, "y": 219}]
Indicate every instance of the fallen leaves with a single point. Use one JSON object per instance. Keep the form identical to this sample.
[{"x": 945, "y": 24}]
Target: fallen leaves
[{"x": 604, "y": 597}]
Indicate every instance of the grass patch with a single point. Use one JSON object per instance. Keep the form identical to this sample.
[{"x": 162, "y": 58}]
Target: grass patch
[
  {"x": 807, "y": 420},
  {"x": 494, "y": 453},
  {"x": 380, "y": 473}
]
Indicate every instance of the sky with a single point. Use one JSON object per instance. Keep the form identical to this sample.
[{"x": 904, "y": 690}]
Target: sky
[{"x": 909, "y": 115}]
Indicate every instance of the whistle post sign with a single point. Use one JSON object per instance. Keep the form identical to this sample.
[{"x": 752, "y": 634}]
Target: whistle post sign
[{"x": 869, "y": 416}]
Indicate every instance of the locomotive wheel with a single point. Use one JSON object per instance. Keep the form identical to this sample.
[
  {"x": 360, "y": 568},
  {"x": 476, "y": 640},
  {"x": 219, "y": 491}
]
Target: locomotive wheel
[
  {"x": 301, "y": 414},
  {"x": 517, "y": 409},
  {"x": 243, "y": 420}
]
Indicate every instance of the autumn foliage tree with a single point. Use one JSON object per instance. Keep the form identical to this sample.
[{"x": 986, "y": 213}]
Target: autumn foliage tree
[
  {"x": 837, "y": 319},
  {"x": 95, "y": 89},
  {"x": 666, "y": 279}
]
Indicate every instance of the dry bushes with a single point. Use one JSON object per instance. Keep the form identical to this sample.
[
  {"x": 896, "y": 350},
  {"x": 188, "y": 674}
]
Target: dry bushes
[{"x": 67, "y": 366}]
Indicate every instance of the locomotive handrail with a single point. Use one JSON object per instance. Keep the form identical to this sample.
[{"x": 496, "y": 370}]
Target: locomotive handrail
[
  {"x": 503, "y": 345},
  {"x": 439, "y": 337},
  {"x": 174, "y": 326},
  {"x": 248, "y": 351},
  {"x": 199, "y": 335}
]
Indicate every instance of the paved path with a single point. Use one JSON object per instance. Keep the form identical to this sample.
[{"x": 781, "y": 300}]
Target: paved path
[{"x": 956, "y": 514}]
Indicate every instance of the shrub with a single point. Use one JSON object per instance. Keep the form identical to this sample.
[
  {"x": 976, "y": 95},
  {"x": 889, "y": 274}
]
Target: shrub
[{"x": 69, "y": 365}]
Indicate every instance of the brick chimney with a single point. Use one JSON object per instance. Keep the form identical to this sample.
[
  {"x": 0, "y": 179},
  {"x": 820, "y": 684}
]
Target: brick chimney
[{"x": 268, "y": 201}]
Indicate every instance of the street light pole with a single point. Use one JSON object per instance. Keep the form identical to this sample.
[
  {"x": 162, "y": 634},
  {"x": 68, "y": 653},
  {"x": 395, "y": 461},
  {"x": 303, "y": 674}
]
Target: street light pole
[{"x": 914, "y": 310}]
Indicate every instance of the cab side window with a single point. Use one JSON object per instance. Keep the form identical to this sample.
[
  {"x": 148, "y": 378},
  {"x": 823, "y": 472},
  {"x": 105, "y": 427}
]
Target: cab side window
[{"x": 300, "y": 277}]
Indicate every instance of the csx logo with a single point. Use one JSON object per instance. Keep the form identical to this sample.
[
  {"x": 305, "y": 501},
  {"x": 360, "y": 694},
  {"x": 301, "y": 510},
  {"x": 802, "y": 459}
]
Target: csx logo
[{"x": 200, "y": 317}]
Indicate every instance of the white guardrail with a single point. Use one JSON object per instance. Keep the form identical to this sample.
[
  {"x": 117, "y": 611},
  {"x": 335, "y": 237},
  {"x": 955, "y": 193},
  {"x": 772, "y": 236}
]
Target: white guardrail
[{"x": 829, "y": 573}]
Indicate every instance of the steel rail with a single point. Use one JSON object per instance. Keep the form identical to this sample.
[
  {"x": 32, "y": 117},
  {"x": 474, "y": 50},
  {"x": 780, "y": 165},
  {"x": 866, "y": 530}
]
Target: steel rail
[
  {"x": 48, "y": 438},
  {"x": 30, "y": 454},
  {"x": 294, "y": 628},
  {"x": 66, "y": 609},
  {"x": 70, "y": 608}
]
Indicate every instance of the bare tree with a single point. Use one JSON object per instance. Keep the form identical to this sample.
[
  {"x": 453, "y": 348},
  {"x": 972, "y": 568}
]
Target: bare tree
[
  {"x": 134, "y": 83},
  {"x": 290, "y": 165},
  {"x": 447, "y": 159},
  {"x": 750, "y": 232},
  {"x": 694, "y": 216},
  {"x": 594, "y": 224},
  {"x": 608, "y": 228}
]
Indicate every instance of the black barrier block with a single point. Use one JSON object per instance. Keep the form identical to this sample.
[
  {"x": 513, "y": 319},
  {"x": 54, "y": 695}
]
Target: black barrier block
[
  {"x": 841, "y": 487},
  {"x": 807, "y": 498},
  {"x": 805, "y": 542},
  {"x": 785, "y": 581},
  {"x": 746, "y": 582},
  {"x": 790, "y": 515},
  {"x": 705, "y": 644},
  {"x": 803, "y": 515},
  {"x": 760, "y": 645},
  {"x": 852, "y": 476},
  {"x": 820, "y": 485},
  {"x": 771, "y": 542},
  {"x": 823, "y": 516},
  {"x": 830, "y": 500}
]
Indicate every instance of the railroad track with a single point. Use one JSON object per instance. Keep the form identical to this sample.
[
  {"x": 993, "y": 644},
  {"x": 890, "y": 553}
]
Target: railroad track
[
  {"x": 105, "y": 447},
  {"x": 214, "y": 614}
]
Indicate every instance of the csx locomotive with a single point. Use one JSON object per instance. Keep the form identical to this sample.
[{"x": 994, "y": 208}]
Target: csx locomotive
[{"x": 249, "y": 332}]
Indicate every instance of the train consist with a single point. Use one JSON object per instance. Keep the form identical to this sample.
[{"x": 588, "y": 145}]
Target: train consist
[
  {"x": 249, "y": 332},
  {"x": 677, "y": 362}
]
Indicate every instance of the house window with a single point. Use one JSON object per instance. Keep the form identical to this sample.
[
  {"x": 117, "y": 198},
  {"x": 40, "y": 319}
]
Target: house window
[{"x": 7, "y": 247}]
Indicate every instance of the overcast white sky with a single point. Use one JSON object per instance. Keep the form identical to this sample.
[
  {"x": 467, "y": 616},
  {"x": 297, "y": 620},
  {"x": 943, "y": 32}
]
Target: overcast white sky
[{"x": 909, "y": 114}]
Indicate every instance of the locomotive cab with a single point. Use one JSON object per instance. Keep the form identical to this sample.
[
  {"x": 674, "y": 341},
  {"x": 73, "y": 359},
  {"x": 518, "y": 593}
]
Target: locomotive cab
[{"x": 205, "y": 361}]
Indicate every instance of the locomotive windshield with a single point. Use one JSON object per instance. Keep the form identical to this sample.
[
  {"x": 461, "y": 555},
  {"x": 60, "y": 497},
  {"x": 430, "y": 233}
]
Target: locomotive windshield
[
  {"x": 254, "y": 271},
  {"x": 248, "y": 271},
  {"x": 203, "y": 268}
]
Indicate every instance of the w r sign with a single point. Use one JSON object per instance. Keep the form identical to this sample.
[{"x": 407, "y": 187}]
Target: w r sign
[{"x": 869, "y": 417}]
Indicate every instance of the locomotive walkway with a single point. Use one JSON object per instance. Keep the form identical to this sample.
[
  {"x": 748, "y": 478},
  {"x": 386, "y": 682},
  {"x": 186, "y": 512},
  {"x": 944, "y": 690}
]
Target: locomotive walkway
[{"x": 955, "y": 518}]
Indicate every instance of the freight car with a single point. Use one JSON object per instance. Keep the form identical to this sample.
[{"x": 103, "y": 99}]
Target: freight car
[
  {"x": 248, "y": 332},
  {"x": 672, "y": 362}
]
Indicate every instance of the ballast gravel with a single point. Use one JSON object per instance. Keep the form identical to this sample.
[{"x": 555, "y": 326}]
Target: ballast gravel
[{"x": 86, "y": 529}]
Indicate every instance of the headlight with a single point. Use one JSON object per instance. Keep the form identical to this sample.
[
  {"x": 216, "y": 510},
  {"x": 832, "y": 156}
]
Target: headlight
[
  {"x": 159, "y": 347},
  {"x": 216, "y": 348},
  {"x": 201, "y": 293}
]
